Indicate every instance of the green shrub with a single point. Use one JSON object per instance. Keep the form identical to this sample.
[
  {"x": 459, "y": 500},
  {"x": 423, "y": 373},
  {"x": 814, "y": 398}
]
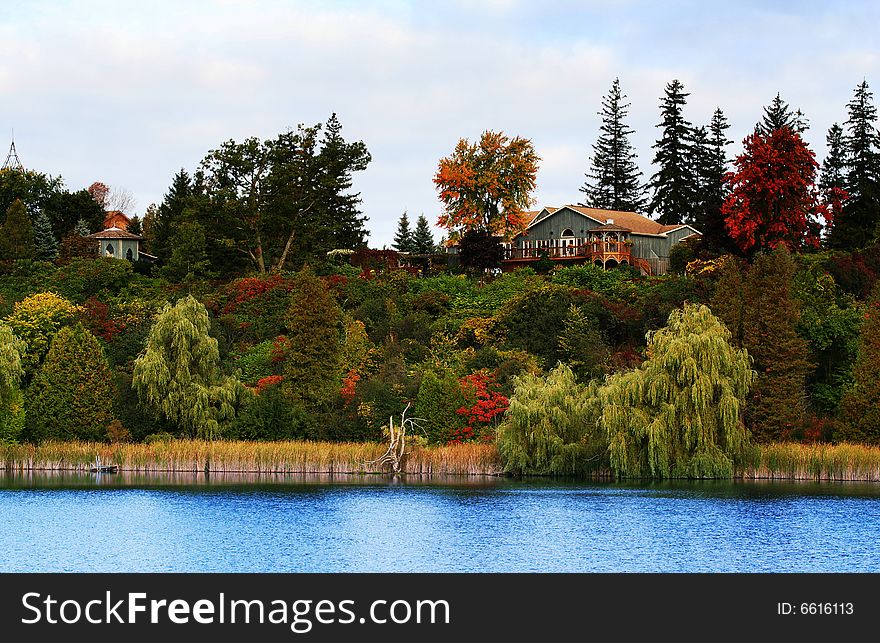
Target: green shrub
[
  {"x": 84, "y": 278},
  {"x": 437, "y": 403},
  {"x": 269, "y": 416},
  {"x": 71, "y": 396},
  {"x": 255, "y": 363}
]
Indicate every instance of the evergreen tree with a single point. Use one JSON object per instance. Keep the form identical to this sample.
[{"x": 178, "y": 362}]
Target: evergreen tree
[
  {"x": 770, "y": 318},
  {"x": 169, "y": 214},
  {"x": 833, "y": 172},
  {"x": 857, "y": 225},
  {"x": 82, "y": 229},
  {"x": 423, "y": 238},
  {"x": 16, "y": 234},
  {"x": 728, "y": 300},
  {"x": 135, "y": 226},
  {"x": 613, "y": 180},
  {"x": 403, "y": 238},
  {"x": 583, "y": 345},
  {"x": 189, "y": 258},
  {"x": 710, "y": 166},
  {"x": 148, "y": 226},
  {"x": 778, "y": 115},
  {"x": 178, "y": 374},
  {"x": 71, "y": 396},
  {"x": 675, "y": 182},
  {"x": 45, "y": 244},
  {"x": 339, "y": 160},
  {"x": 860, "y": 407},
  {"x": 313, "y": 330}
]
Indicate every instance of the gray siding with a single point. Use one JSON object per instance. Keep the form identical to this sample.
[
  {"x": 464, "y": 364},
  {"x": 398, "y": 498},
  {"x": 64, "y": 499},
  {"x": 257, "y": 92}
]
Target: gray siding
[{"x": 120, "y": 248}]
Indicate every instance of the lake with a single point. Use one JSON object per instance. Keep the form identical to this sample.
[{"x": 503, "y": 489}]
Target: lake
[{"x": 53, "y": 522}]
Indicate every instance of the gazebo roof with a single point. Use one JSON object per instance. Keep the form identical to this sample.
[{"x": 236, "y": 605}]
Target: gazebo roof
[
  {"x": 113, "y": 233},
  {"x": 610, "y": 227}
]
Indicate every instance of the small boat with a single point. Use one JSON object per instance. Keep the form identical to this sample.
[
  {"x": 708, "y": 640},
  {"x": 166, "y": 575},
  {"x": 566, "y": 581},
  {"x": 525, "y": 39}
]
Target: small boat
[{"x": 97, "y": 467}]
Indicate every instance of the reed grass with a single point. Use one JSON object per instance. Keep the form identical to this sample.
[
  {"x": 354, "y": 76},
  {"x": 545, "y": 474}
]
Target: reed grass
[
  {"x": 251, "y": 457},
  {"x": 796, "y": 461},
  {"x": 778, "y": 461}
]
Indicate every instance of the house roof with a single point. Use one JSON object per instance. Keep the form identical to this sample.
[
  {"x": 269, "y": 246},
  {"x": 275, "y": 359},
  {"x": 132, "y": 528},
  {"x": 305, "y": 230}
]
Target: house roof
[
  {"x": 622, "y": 221},
  {"x": 113, "y": 233}
]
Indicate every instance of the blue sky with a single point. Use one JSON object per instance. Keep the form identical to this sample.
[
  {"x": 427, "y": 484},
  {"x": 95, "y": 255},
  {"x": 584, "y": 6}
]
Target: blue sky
[{"x": 128, "y": 93}]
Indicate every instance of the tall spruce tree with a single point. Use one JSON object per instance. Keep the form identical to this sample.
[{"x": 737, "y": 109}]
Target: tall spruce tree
[
  {"x": 675, "y": 182},
  {"x": 613, "y": 181},
  {"x": 857, "y": 225},
  {"x": 710, "y": 165},
  {"x": 403, "y": 238},
  {"x": 778, "y": 115},
  {"x": 16, "y": 234},
  {"x": 423, "y": 238},
  {"x": 169, "y": 213},
  {"x": 339, "y": 160},
  {"x": 769, "y": 329},
  {"x": 833, "y": 172},
  {"x": 45, "y": 243}
]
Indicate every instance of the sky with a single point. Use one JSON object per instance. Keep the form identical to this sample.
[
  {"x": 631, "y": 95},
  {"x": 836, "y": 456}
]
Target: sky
[{"x": 129, "y": 92}]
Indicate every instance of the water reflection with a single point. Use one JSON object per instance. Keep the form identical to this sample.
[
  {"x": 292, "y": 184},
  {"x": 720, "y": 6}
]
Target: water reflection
[{"x": 149, "y": 479}]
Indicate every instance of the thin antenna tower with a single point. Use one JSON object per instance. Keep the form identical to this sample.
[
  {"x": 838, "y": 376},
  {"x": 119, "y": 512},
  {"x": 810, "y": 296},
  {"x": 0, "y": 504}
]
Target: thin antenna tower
[{"x": 12, "y": 160}]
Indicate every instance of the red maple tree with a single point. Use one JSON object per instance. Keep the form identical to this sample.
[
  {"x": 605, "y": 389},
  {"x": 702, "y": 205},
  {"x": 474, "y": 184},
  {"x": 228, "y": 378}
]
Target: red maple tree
[
  {"x": 773, "y": 196},
  {"x": 486, "y": 186},
  {"x": 487, "y": 406}
]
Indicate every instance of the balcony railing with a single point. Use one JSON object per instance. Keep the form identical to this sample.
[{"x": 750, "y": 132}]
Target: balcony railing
[{"x": 568, "y": 252}]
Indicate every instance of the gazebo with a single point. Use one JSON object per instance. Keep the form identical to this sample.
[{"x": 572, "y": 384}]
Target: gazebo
[
  {"x": 119, "y": 244},
  {"x": 610, "y": 245}
]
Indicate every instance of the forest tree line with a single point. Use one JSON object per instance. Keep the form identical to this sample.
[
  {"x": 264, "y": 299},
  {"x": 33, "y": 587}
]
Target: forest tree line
[{"x": 256, "y": 324}]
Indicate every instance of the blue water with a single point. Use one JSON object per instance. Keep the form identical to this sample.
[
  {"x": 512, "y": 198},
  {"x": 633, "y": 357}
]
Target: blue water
[{"x": 75, "y": 523}]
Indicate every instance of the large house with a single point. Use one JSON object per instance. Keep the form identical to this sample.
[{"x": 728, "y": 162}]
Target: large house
[{"x": 606, "y": 238}]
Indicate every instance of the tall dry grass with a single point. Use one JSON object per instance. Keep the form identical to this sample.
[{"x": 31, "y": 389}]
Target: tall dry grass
[
  {"x": 795, "y": 461},
  {"x": 251, "y": 457},
  {"x": 779, "y": 461}
]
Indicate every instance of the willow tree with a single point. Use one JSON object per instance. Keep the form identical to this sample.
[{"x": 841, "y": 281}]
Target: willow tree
[
  {"x": 550, "y": 426},
  {"x": 178, "y": 375},
  {"x": 11, "y": 372},
  {"x": 679, "y": 413}
]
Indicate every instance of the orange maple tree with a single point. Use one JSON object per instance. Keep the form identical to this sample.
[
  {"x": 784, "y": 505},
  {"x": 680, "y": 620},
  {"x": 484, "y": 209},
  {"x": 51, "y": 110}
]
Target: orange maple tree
[{"x": 486, "y": 186}]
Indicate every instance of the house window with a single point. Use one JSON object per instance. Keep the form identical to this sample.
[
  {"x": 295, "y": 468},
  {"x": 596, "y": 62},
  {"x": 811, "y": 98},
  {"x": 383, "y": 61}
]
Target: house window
[
  {"x": 110, "y": 251},
  {"x": 567, "y": 233},
  {"x": 129, "y": 254}
]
